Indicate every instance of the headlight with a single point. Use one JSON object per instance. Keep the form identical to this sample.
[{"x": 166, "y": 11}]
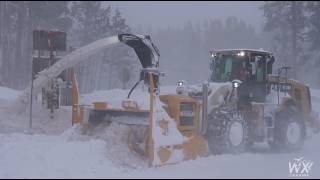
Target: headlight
[
  {"x": 236, "y": 84},
  {"x": 242, "y": 53},
  {"x": 180, "y": 83}
]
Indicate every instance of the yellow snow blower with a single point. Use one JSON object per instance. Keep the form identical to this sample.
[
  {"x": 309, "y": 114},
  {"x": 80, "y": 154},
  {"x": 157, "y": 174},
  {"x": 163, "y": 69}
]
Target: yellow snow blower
[{"x": 168, "y": 131}]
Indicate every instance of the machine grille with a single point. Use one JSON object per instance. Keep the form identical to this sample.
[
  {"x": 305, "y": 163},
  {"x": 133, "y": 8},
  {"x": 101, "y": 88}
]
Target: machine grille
[{"x": 186, "y": 114}]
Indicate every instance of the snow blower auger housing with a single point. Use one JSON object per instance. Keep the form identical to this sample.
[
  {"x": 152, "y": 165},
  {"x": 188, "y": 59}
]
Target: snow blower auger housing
[{"x": 160, "y": 132}]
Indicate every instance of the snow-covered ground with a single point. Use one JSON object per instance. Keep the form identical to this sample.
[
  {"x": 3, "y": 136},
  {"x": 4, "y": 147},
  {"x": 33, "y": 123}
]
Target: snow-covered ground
[
  {"x": 54, "y": 149},
  {"x": 8, "y": 94}
]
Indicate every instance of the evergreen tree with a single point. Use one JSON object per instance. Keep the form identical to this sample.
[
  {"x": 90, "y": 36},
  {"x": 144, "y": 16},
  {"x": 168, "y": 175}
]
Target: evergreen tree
[
  {"x": 119, "y": 24},
  {"x": 124, "y": 56},
  {"x": 313, "y": 33},
  {"x": 18, "y": 20},
  {"x": 287, "y": 20},
  {"x": 92, "y": 22}
]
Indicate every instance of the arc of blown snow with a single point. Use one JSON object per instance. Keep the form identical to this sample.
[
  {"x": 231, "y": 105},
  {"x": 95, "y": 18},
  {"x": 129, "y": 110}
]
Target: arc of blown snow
[{"x": 66, "y": 62}]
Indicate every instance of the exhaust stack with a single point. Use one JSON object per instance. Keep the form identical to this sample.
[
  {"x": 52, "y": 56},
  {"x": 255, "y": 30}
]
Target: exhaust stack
[{"x": 204, "y": 120}]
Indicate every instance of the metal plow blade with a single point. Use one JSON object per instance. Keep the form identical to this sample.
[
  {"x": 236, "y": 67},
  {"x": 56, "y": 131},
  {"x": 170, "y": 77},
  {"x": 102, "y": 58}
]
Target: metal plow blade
[{"x": 119, "y": 116}]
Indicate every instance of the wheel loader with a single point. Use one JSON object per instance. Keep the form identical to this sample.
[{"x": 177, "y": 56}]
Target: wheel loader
[{"x": 267, "y": 108}]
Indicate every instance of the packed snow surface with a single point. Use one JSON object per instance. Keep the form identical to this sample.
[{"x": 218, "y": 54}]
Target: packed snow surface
[
  {"x": 54, "y": 149},
  {"x": 8, "y": 94}
]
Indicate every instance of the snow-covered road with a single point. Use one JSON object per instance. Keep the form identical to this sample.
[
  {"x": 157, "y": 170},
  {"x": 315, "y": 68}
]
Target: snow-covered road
[
  {"x": 52, "y": 154},
  {"x": 43, "y": 156}
]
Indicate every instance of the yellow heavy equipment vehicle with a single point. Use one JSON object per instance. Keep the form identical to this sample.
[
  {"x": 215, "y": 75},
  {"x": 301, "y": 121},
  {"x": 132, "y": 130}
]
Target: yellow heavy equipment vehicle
[
  {"x": 256, "y": 106},
  {"x": 269, "y": 108},
  {"x": 242, "y": 104}
]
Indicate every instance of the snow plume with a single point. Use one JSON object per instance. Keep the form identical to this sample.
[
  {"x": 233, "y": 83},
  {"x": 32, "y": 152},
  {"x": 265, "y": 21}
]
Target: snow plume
[
  {"x": 68, "y": 61},
  {"x": 115, "y": 138}
]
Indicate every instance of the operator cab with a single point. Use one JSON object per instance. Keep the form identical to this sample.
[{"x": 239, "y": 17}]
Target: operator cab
[{"x": 250, "y": 66}]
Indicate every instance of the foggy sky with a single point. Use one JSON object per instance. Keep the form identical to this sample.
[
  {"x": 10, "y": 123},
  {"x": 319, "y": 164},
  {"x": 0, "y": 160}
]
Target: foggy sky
[{"x": 161, "y": 14}]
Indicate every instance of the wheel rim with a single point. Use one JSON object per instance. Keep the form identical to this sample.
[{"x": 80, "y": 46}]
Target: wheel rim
[
  {"x": 293, "y": 132},
  {"x": 236, "y": 133}
]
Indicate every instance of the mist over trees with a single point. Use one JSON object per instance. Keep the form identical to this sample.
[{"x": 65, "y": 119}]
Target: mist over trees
[
  {"x": 296, "y": 42},
  {"x": 291, "y": 31},
  {"x": 17, "y": 20},
  {"x": 185, "y": 51},
  {"x": 84, "y": 22}
]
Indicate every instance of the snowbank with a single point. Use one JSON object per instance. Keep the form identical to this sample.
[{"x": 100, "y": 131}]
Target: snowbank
[
  {"x": 8, "y": 94},
  {"x": 13, "y": 121},
  {"x": 260, "y": 164},
  {"x": 41, "y": 156}
]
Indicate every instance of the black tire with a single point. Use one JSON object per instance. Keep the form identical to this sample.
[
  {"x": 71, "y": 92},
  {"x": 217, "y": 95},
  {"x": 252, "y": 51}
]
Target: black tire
[
  {"x": 219, "y": 134},
  {"x": 289, "y": 119}
]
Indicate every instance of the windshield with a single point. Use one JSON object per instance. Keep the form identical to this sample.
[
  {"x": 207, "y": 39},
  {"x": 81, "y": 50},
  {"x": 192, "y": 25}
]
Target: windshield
[{"x": 228, "y": 67}]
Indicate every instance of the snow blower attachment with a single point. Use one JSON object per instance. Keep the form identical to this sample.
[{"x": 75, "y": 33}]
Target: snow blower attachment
[{"x": 165, "y": 132}]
